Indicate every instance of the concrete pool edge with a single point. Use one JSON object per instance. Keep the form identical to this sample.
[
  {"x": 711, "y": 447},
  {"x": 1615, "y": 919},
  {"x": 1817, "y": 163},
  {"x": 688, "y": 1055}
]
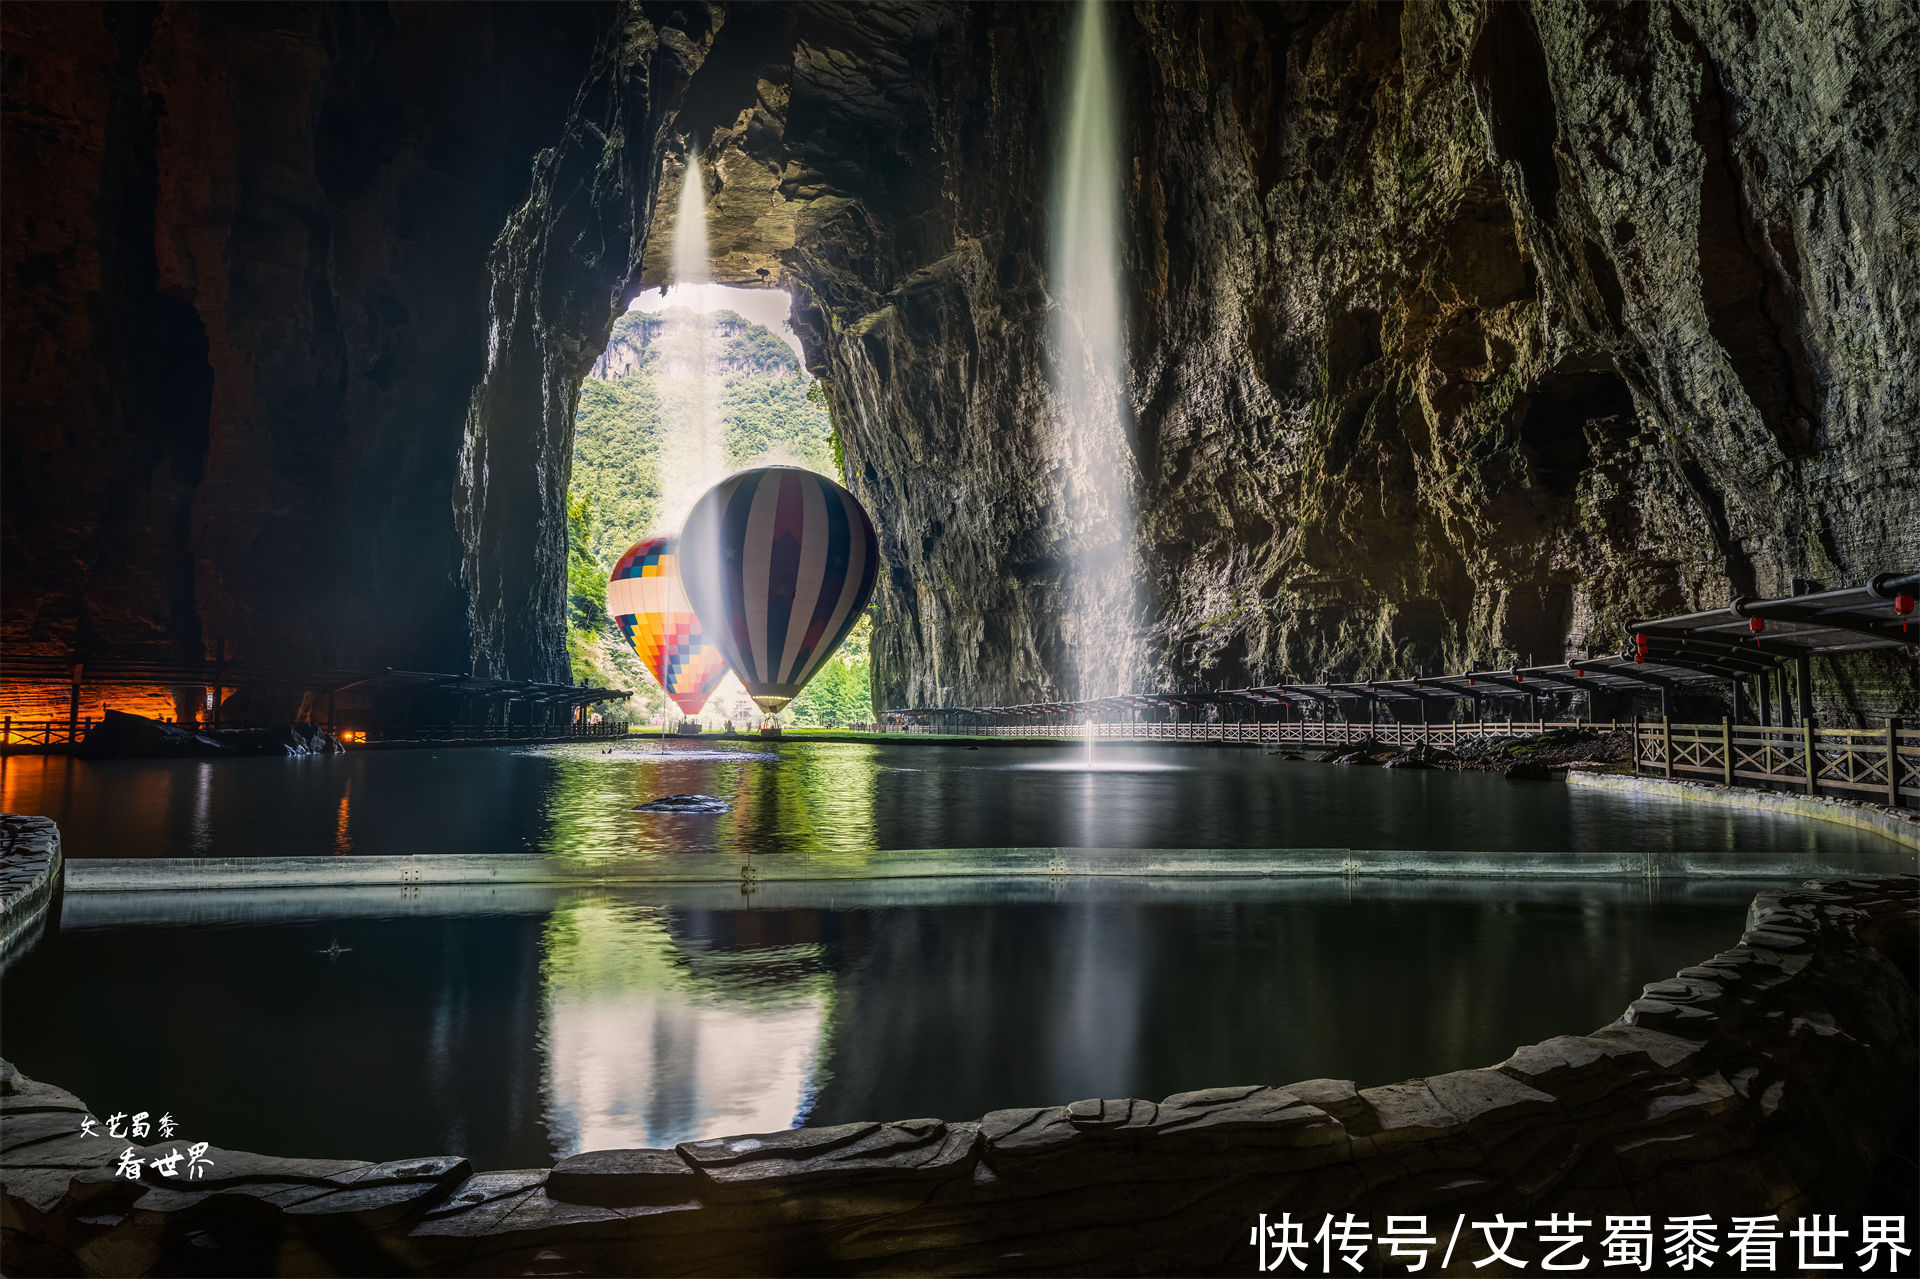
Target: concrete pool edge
[
  {"x": 1898, "y": 825},
  {"x": 1781, "y": 1071},
  {"x": 30, "y": 874},
  {"x": 90, "y": 875}
]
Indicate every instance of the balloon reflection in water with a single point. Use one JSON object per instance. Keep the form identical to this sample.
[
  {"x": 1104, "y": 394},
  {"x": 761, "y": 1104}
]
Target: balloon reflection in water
[{"x": 651, "y": 1036}]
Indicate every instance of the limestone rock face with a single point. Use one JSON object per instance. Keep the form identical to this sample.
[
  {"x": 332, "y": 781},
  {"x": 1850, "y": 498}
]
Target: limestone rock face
[
  {"x": 259, "y": 262},
  {"x": 1458, "y": 333}
]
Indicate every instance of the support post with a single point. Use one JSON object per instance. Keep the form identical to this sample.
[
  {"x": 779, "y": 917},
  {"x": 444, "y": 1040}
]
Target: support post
[
  {"x": 1635, "y": 745},
  {"x": 1893, "y": 761},
  {"x": 1764, "y": 682},
  {"x": 1726, "y": 750},
  {"x": 73, "y": 704},
  {"x": 1805, "y": 677},
  {"x": 219, "y": 680},
  {"x": 1666, "y": 743},
  {"x": 1806, "y": 739}
]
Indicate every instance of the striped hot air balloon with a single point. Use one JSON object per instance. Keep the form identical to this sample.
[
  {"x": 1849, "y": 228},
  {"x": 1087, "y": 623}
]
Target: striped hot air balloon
[
  {"x": 645, "y": 597},
  {"x": 778, "y": 563}
]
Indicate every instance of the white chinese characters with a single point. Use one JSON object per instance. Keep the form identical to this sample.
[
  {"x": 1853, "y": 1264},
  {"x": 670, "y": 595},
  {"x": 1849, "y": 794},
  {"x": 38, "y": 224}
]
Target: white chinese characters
[
  {"x": 1755, "y": 1245},
  {"x": 124, "y": 1127}
]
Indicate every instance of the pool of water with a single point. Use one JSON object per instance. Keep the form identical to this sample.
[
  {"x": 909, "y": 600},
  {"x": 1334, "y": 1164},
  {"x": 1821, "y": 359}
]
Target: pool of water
[
  {"x": 788, "y": 797},
  {"x": 516, "y": 1026}
]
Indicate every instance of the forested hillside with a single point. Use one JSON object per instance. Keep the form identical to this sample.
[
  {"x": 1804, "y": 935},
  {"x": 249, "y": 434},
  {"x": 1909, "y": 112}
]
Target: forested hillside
[{"x": 772, "y": 412}]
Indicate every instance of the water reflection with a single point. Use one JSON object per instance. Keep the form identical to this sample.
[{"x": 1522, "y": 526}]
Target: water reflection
[
  {"x": 649, "y": 1039},
  {"x": 554, "y": 1021},
  {"x": 838, "y": 801}
]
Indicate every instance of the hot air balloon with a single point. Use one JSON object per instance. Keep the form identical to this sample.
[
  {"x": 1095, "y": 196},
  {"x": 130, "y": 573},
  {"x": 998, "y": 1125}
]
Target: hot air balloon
[
  {"x": 778, "y": 563},
  {"x": 645, "y": 597}
]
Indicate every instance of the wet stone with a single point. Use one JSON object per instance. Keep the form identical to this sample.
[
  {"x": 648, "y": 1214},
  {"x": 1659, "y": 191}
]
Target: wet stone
[
  {"x": 908, "y": 1151},
  {"x": 621, "y": 1178}
]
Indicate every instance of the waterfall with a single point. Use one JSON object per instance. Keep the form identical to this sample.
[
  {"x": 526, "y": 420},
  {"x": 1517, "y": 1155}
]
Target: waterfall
[
  {"x": 1087, "y": 372},
  {"x": 692, "y": 445}
]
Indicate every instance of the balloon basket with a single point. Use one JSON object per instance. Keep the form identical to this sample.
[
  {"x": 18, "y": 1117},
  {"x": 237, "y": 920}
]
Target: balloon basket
[{"x": 687, "y": 728}]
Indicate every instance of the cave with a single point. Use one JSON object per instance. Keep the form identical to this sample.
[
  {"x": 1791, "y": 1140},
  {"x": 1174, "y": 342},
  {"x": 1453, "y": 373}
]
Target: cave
[
  {"x": 316, "y": 403},
  {"x": 1278, "y": 424}
]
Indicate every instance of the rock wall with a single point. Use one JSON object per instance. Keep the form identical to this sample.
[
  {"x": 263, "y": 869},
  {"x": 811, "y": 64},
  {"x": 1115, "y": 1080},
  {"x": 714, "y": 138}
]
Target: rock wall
[
  {"x": 1779, "y": 1076},
  {"x": 1460, "y": 333},
  {"x": 255, "y": 271}
]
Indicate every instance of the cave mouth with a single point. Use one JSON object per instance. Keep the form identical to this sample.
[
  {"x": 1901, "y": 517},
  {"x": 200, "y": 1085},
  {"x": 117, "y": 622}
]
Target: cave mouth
[{"x": 698, "y": 381}]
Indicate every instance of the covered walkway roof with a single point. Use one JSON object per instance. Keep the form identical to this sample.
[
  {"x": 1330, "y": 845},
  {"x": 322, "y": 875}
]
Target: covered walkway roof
[
  {"x": 1600, "y": 674},
  {"x": 1684, "y": 653},
  {"x": 1752, "y": 637}
]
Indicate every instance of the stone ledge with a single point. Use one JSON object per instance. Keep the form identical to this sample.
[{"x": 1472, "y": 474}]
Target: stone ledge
[
  {"x": 30, "y": 874},
  {"x": 1897, "y": 824},
  {"x": 1779, "y": 1073}
]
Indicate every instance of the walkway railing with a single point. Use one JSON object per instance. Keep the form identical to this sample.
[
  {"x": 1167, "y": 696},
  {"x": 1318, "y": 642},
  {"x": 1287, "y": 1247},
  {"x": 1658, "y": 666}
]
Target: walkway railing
[
  {"x": 55, "y": 732},
  {"x": 1881, "y": 764},
  {"x": 1878, "y": 764},
  {"x": 1315, "y": 736}
]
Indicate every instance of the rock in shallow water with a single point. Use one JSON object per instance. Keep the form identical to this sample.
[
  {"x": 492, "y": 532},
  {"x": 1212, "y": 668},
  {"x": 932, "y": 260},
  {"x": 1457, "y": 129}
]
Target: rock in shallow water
[{"x": 697, "y": 804}]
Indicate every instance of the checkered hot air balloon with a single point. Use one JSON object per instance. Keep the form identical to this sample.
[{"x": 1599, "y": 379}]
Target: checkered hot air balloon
[
  {"x": 644, "y": 595},
  {"x": 778, "y": 563}
]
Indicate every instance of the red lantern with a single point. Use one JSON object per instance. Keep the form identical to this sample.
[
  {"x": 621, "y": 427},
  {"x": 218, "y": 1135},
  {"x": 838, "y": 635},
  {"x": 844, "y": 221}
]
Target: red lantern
[
  {"x": 1756, "y": 624},
  {"x": 1469, "y": 683},
  {"x": 1518, "y": 678},
  {"x": 1578, "y": 673},
  {"x": 1902, "y": 606}
]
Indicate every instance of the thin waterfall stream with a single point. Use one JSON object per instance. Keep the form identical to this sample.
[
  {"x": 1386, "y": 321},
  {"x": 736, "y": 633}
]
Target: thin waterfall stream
[
  {"x": 692, "y": 441},
  {"x": 1088, "y": 374}
]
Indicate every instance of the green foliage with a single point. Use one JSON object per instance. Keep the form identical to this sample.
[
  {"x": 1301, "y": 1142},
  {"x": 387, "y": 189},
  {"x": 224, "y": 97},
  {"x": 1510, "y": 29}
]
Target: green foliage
[
  {"x": 773, "y": 420},
  {"x": 586, "y": 589},
  {"x": 616, "y": 454},
  {"x": 754, "y": 346},
  {"x": 840, "y": 692}
]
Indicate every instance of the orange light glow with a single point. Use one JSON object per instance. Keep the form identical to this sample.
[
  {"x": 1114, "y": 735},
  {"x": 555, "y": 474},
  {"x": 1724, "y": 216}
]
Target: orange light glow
[{"x": 39, "y": 704}]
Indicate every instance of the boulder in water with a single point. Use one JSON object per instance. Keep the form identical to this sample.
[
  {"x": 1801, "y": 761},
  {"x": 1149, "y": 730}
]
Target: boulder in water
[
  {"x": 698, "y": 805},
  {"x": 119, "y": 735}
]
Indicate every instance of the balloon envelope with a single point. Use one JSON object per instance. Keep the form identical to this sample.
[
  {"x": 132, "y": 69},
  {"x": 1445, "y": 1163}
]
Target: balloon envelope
[
  {"x": 644, "y": 595},
  {"x": 778, "y": 563}
]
